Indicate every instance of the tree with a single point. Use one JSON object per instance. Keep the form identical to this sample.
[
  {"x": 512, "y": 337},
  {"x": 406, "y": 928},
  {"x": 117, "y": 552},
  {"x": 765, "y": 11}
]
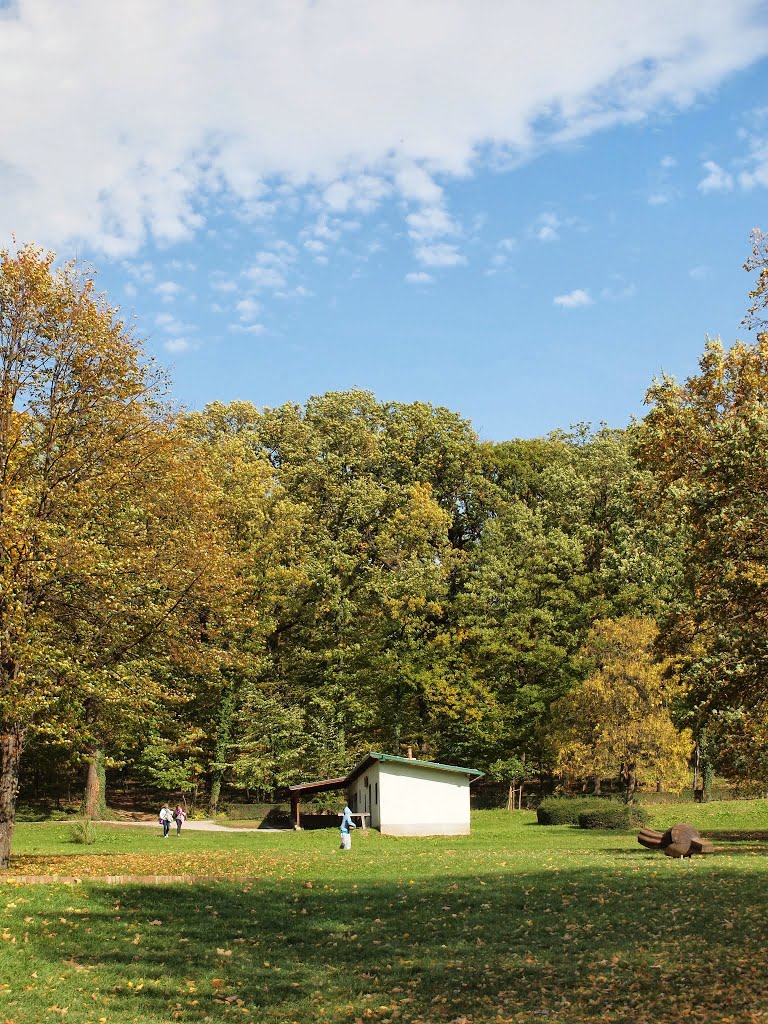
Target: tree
[
  {"x": 520, "y": 619},
  {"x": 758, "y": 260},
  {"x": 102, "y": 516},
  {"x": 706, "y": 442},
  {"x": 511, "y": 771},
  {"x": 372, "y": 507},
  {"x": 736, "y": 747},
  {"x": 588, "y": 485},
  {"x": 261, "y": 530},
  {"x": 617, "y": 723}
]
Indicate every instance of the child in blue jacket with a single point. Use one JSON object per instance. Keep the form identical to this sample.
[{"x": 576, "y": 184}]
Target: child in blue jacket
[{"x": 346, "y": 825}]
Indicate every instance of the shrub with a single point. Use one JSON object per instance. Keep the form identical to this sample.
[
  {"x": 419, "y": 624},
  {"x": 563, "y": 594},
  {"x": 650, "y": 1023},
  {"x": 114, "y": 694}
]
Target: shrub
[
  {"x": 83, "y": 832},
  {"x": 250, "y": 812},
  {"x": 615, "y": 816},
  {"x": 566, "y": 810}
]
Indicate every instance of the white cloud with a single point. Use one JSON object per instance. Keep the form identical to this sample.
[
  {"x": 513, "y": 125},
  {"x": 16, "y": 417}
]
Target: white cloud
[
  {"x": 315, "y": 245},
  {"x": 716, "y": 180},
  {"x": 222, "y": 284},
  {"x": 419, "y": 277},
  {"x": 339, "y": 104},
  {"x": 439, "y": 255},
  {"x": 758, "y": 158},
  {"x": 327, "y": 228},
  {"x": 177, "y": 345},
  {"x": 414, "y": 183},
  {"x": 750, "y": 167},
  {"x": 430, "y": 222},
  {"x": 299, "y": 292},
  {"x": 247, "y": 328},
  {"x": 168, "y": 290},
  {"x": 573, "y": 300},
  {"x": 248, "y": 309},
  {"x": 547, "y": 227},
  {"x": 143, "y": 272},
  {"x": 362, "y": 192},
  {"x": 663, "y": 191},
  {"x": 270, "y": 267},
  {"x": 171, "y": 325},
  {"x": 504, "y": 248},
  {"x": 264, "y": 277}
]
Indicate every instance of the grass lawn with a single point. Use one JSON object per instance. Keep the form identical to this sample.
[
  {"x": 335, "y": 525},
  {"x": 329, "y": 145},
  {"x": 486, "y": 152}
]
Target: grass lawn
[{"x": 515, "y": 923}]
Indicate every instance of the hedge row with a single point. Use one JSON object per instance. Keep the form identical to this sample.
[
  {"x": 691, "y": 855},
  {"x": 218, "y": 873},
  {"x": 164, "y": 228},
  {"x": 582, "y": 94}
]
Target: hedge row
[
  {"x": 252, "y": 812},
  {"x": 589, "y": 812},
  {"x": 618, "y": 816},
  {"x": 566, "y": 810}
]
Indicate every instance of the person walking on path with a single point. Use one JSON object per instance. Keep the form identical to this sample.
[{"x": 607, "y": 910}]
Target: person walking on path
[
  {"x": 346, "y": 825},
  {"x": 179, "y": 816},
  {"x": 165, "y": 819}
]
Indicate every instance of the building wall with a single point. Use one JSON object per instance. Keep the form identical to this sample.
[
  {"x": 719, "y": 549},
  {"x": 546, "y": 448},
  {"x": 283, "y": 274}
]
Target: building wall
[
  {"x": 364, "y": 795},
  {"x": 415, "y": 800}
]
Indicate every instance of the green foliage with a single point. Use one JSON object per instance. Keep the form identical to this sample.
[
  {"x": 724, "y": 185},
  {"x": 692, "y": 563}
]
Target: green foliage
[
  {"x": 508, "y": 770},
  {"x": 83, "y": 832},
  {"x": 737, "y": 744},
  {"x": 566, "y": 810},
  {"x": 316, "y": 580},
  {"x": 172, "y": 766},
  {"x": 706, "y": 441},
  {"x": 613, "y": 816},
  {"x": 348, "y": 558},
  {"x": 252, "y": 812}
]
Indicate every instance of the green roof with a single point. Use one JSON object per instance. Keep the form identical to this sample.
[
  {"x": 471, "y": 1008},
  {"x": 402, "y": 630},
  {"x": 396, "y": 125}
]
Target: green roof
[{"x": 375, "y": 756}]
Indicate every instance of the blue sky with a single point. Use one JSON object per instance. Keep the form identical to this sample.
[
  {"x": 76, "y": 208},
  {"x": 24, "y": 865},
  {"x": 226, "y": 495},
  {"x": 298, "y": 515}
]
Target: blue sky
[{"x": 522, "y": 215}]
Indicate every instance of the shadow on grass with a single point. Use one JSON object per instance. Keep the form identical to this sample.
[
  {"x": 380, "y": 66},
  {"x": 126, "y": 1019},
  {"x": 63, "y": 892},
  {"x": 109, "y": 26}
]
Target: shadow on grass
[
  {"x": 737, "y": 836},
  {"x": 633, "y": 942}
]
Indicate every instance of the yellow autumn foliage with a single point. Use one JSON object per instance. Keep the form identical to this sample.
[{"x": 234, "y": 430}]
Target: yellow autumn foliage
[{"x": 617, "y": 723}]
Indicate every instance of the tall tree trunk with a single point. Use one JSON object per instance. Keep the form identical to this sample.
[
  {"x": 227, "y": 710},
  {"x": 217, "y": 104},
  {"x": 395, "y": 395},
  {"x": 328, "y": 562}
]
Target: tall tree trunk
[
  {"x": 94, "y": 803},
  {"x": 11, "y": 745}
]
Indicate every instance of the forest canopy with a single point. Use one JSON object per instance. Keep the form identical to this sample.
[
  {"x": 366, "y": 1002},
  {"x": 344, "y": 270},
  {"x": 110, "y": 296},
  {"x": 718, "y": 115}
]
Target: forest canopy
[{"x": 247, "y": 597}]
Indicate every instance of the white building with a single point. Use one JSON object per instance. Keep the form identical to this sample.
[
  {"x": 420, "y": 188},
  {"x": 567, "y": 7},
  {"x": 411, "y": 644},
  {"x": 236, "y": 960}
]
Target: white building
[{"x": 402, "y": 796}]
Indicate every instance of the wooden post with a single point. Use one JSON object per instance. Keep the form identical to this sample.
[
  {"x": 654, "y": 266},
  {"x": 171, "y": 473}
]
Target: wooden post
[{"x": 295, "y": 812}]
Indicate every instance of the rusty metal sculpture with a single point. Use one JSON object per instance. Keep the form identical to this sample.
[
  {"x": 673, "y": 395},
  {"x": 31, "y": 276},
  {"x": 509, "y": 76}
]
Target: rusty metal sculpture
[{"x": 678, "y": 841}]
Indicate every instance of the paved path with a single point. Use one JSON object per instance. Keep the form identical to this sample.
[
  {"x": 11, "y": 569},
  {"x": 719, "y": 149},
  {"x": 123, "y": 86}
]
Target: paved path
[{"x": 196, "y": 825}]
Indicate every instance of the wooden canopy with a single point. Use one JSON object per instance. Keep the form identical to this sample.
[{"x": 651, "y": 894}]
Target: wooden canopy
[{"x": 309, "y": 788}]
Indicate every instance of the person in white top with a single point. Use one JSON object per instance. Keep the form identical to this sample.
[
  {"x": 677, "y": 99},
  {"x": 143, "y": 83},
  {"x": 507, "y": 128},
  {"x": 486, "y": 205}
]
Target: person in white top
[{"x": 165, "y": 819}]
